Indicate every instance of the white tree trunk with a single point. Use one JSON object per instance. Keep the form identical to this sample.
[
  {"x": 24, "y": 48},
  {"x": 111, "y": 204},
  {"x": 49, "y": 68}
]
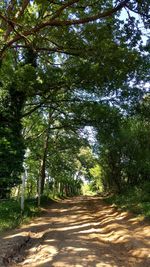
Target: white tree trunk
[{"x": 23, "y": 191}]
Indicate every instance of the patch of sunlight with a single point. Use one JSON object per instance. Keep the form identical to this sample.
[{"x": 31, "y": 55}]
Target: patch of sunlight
[
  {"x": 104, "y": 265},
  {"x": 146, "y": 231},
  {"x": 50, "y": 240},
  {"x": 91, "y": 230},
  {"x": 76, "y": 249},
  {"x": 123, "y": 238},
  {"x": 49, "y": 252},
  {"x": 140, "y": 218},
  {"x": 107, "y": 234},
  {"x": 141, "y": 253},
  {"x": 35, "y": 223},
  {"x": 55, "y": 210},
  {"x": 63, "y": 210},
  {"x": 95, "y": 223},
  {"x": 73, "y": 227},
  {"x": 50, "y": 249},
  {"x": 15, "y": 235},
  {"x": 121, "y": 216},
  {"x": 65, "y": 264},
  {"x": 107, "y": 220},
  {"x": 115, "y": 237}
]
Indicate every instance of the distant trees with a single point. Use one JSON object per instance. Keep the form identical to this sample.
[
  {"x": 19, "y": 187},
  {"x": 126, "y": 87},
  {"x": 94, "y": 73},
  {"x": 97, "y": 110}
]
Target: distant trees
[
  {"x": 55, "y": 144},
  {"x": 124, "y": 151}
]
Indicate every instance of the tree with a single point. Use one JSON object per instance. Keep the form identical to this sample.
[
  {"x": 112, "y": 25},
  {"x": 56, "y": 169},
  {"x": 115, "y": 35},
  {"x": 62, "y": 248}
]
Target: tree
[
  {"x": 11, "y": 141},
  {"x": 123, "y": 150},
  {"x": 12, "y": 101},
  {"x": 28, "y": 22},
  {"x": 51, "y": 47},
  {"x": 55, "y": 140}
]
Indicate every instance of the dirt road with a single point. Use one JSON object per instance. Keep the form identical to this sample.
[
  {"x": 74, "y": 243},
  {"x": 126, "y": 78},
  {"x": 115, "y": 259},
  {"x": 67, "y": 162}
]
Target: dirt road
[{"x": 81, "y": 231}]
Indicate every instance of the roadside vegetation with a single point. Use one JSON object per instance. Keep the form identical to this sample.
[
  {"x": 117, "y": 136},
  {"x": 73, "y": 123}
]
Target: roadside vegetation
[
  {"x": 10, "y": 213},
  {"x": 11, "y": 216},
  {"x": 135, "y": 199}
]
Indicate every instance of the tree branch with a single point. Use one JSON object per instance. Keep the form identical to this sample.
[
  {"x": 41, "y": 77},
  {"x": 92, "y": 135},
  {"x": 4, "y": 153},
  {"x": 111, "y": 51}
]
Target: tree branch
[
  {"x": 63, "y": 7},
  {"x": 23, "y": 8},
  {"x": 60, "y": 23}
]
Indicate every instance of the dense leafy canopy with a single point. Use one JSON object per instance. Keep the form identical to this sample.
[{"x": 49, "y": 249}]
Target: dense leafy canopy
[{"x": 66, "y": 65}]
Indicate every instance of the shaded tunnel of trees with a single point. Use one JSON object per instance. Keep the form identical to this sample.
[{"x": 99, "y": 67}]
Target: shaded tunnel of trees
[{"x": 74, "y": 95}]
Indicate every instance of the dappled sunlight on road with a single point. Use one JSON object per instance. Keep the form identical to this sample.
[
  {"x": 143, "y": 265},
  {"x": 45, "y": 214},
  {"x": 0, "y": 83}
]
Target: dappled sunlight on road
[{"x": 83, "y": 231}]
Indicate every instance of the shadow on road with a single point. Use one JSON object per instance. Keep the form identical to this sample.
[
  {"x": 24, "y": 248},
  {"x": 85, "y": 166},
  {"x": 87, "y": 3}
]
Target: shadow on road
[{"x": 83, "y": 231}]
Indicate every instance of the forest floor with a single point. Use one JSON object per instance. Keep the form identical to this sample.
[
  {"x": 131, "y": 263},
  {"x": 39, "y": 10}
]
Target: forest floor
[{"x": 79, "y": 231}]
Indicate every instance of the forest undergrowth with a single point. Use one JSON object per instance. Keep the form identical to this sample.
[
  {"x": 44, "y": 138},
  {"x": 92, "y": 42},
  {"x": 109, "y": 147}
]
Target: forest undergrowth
[
  {"x": 10, "y": 212},
  {"x": 135, "y": 199}
]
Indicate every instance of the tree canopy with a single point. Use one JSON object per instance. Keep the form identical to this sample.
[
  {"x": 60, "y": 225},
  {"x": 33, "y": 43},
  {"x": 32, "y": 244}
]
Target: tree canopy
[{"x": 66, "y": 65}]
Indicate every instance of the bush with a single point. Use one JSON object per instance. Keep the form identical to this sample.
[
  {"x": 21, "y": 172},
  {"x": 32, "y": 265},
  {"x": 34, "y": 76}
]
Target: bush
[
  {"x": 135, "y": 199},
  {"x": 10, "y": 212}
]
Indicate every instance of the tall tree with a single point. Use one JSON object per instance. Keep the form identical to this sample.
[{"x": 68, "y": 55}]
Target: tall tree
[{"x": 12, "y": 100}]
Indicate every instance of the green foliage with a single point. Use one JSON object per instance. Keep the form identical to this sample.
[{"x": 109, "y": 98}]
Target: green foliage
[
  {"x": 87, "y": 190},
  {"x": 11, "y": 213},
  {"x": 83, "y": 69},
  {"x": 12, "y": 99},
  {"x": 96, "y": 178},
  {"x": 123, "y": 149},
  {"x": 135, "y": 199},
  {"x": 11, "y": 141}
]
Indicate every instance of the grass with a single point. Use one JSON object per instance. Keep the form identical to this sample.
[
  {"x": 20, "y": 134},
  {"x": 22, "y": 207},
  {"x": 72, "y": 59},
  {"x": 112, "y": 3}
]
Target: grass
[
  {"x": 135, "y": 199},
  {"x": 10, "y": 214}
]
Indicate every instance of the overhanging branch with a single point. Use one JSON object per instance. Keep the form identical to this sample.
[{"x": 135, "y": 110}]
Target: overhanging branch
[{"x": 59, "y": 23}]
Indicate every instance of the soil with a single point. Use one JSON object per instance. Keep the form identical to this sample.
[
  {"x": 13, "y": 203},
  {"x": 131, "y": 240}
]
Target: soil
[{"x": 80, "y": 231}]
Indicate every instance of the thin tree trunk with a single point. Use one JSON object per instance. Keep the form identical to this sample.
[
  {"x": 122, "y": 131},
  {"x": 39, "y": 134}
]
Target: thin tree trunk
[
  {"x": 23, "y": 191},
  {"x": 43, "y": 160}
]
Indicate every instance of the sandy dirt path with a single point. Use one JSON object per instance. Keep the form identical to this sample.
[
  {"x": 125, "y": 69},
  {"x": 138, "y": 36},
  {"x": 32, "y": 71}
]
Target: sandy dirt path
[{"x": 81, "y": 231}]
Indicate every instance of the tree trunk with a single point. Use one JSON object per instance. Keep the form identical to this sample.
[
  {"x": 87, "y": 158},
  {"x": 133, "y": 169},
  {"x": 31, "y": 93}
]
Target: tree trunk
[{"x": 43, "y": 160}]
